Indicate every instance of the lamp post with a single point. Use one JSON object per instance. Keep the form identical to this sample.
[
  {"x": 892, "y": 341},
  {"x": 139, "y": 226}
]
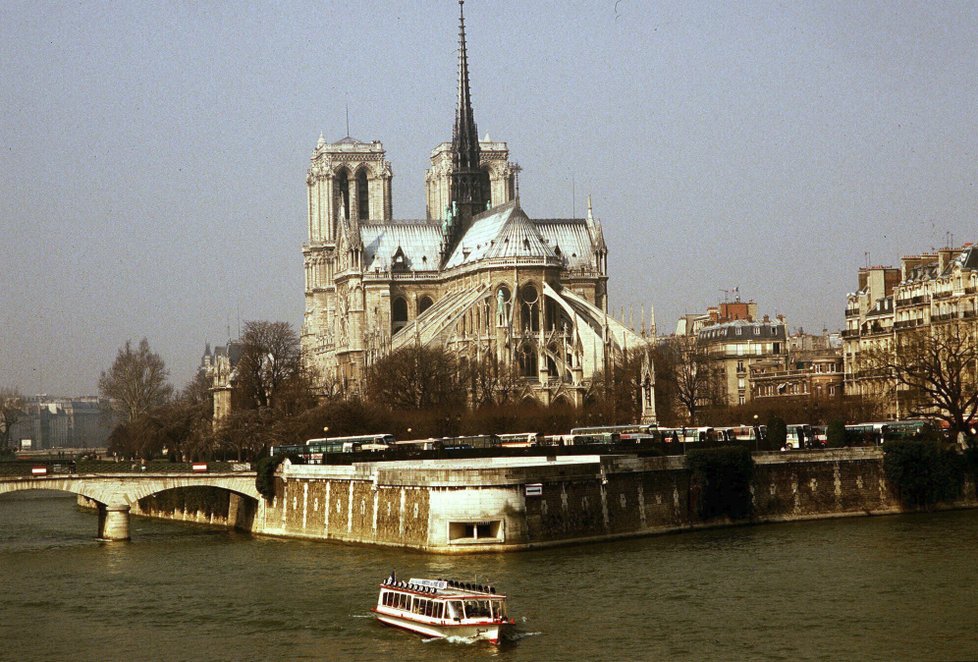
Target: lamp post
[{"x": 757, "y": 435}]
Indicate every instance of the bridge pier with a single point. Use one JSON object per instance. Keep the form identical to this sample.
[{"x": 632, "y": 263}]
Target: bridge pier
[{"x": 113, "y": 522}]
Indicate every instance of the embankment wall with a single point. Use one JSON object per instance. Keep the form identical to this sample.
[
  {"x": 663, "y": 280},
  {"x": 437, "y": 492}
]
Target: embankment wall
[{"x": 503, "y": 504}]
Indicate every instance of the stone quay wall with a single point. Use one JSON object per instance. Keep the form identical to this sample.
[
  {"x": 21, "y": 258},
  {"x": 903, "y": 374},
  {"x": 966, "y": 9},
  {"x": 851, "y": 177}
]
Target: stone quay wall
[{"x": 505, "y": 504}]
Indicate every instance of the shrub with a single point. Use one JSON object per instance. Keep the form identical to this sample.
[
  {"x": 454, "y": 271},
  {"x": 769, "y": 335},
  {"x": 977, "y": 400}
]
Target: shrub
[
  {"x": 922, "y": 473},
  {"x": 721, "y": 480},
  {"x": 835, "y": 434},
  {"x": 777, "y": 433}
]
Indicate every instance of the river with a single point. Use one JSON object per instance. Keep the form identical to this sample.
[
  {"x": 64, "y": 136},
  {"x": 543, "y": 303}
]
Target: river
[{"x": 883, "y": 588}]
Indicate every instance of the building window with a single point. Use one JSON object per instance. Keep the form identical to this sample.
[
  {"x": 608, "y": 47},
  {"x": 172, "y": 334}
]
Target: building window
[
  {"x": 363, "y": 196},
  {"x": 399, "y": 314},
  {"x": 424, "y": 303},
  {"x": 343, "y": 189}
]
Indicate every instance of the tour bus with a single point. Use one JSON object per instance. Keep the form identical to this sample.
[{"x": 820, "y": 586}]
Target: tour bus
[
  {"x": 799, "y": 436},
  {"x": 518, "y": 440},
  {"x": 899, "y": 430},
  {"x": 865, "y": 433},
  {"x": 620, "y": 429},
  {"x": 418, "y": 444},
  {"x": 471, "y": 441},
  {"x": 314, "y": 449},
  {"x": 589, "y": 438}
]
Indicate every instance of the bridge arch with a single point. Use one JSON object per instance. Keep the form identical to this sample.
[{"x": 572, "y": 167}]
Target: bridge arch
[{"x": 115, "y": 494}]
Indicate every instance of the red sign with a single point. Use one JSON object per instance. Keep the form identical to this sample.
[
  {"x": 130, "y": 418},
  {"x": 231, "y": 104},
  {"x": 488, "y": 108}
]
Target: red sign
[
  {"x": 200, "y": 467},
  {"x": 39, "y": 471}
]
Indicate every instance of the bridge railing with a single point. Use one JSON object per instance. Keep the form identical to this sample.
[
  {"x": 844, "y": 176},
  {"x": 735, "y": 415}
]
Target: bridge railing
[{"x": 27, "y": 467}]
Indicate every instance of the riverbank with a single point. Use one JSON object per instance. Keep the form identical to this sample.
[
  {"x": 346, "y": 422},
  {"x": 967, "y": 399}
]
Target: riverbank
[{"x": 510, "y": 504}]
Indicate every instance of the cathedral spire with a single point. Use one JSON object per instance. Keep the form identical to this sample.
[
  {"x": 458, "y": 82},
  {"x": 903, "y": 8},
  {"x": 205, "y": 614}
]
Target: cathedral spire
[{"x": 469, "y": 182}]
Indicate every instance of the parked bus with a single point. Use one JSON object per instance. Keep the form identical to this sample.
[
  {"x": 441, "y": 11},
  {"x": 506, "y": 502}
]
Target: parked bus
[
  {"x": 519, "y": 440},
  {"x": 799, "y": 436},
  {"x": 471, "y": 441},
  {"x": 620, "y": 429},
  {"x": 865, "y": 434},
  {"x": 314, "y": 449},
  {"x": 917, "y": 429},
  {"x": 591, "y": 438}
]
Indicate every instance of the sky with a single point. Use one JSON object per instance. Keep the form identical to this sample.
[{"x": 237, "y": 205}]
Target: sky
[{"x": 154, "y": 154}]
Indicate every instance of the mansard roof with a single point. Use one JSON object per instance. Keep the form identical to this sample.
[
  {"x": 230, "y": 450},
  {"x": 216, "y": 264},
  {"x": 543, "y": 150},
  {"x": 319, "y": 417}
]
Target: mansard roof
[
  {"x": 743, "y": 330},
  {"x": 967, "y": 259},
  {"x": 418, "y": 242}
]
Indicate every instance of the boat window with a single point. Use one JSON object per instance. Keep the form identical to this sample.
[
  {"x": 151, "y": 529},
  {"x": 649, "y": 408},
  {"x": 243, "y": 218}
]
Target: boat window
[
  {"x": 499, "y": 607},
  {"x": 418, "y": 607},
  {"x": 428, "y": 607},
  {"x": 403, "y": 600},
  {"x": 455, "y": 609},
  {"x": 477, "y": 609},
  {"x": 439, "y": 611}
]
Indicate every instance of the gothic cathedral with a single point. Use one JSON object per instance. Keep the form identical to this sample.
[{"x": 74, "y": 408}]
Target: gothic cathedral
[{"x": 477, "y": 277}]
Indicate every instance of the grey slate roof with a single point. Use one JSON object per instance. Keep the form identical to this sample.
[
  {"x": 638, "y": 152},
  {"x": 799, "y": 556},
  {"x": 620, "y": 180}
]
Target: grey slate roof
[
  {"x": 503, "y": 232},
  {"x": 743, "y": 330},
  {"x": 419, "y": 243}
]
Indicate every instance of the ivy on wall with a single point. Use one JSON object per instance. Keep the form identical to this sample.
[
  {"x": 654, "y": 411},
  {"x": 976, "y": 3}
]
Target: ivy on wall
[{"x": 265, "y": 473}]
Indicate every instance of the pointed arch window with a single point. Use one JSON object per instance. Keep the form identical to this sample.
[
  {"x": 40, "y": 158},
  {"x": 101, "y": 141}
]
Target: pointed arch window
[
  {"x": 363, "y": 196},
  {"x": 527, "y": 358},
  {"x": 343, "y": 191}
]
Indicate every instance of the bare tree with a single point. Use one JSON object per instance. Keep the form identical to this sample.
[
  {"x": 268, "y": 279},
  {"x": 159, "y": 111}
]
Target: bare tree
[
  {"x": 416, "y": 377},
  {"x": 685, "y": 371},
  {"x": 270, "y": 364},
  {"x": 935, "y": 370},
  {"x": 11, "y": 410},
  {"x": 616, "y": 393},
  {"x": 136, "y": 382}
]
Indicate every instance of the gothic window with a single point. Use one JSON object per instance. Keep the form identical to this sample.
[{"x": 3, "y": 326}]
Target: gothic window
[
  {"x": 363, "y": 196},
  {"x": 527, "y": 360},
  {"x": 529, "y": 308},
  {"x": 343, "y": 190},
  {"x": 399, "y": 314},
  {"x": 424, "y": 303}
]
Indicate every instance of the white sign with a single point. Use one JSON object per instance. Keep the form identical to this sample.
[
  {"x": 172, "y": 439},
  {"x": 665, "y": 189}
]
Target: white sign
[
  {"x": 430, "y": 583},
  {"x": 39, "y": 471},
  {"x": 200, "y": 466},
  {"x": 534, "y": 489}
]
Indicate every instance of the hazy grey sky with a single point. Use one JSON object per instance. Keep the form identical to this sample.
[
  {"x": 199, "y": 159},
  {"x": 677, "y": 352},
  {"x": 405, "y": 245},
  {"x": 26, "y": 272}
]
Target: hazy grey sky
[{"x": 154, "y": 154}]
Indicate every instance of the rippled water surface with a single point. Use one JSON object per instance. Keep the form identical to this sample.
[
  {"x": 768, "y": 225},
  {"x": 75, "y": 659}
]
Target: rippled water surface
[{"x": 869, "y": 588}]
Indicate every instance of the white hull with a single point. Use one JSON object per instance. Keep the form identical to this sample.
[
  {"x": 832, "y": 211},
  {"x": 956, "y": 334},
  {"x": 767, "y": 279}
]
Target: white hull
[{"x": 487, "y": 631}]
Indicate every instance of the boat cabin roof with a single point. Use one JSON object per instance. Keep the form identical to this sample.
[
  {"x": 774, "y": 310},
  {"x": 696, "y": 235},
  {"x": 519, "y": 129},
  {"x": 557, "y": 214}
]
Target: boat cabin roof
[{"x": 443, "y": 589}]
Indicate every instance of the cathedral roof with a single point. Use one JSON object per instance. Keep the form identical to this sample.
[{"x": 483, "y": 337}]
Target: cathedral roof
[
  {"x": 570, "y": 240},
  {"x": 418, "y": 243},
  {"x": 503, "y": 232}
]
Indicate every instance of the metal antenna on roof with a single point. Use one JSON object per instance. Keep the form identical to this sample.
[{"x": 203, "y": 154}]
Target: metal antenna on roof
[{"x": 347, "y": 119}]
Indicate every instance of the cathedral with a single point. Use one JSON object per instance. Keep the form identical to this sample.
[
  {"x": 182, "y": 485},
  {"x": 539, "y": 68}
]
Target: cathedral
[{"x": 477, "y": 276}]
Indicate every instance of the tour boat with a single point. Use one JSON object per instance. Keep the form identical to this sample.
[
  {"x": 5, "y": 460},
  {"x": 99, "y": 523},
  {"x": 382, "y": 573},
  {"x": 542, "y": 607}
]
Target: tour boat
[{"x": 439, "y": 608}]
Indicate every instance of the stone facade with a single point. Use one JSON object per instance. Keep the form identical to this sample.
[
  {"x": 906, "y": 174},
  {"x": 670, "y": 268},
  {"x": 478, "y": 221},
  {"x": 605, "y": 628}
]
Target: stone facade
[
  {"x": 477, "y": 276},
  {"x": 928, "y": 289}
]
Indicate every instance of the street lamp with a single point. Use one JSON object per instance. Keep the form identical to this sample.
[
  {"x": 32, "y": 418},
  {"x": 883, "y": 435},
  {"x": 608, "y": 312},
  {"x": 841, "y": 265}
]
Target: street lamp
[{"x": 757, "y": 435}]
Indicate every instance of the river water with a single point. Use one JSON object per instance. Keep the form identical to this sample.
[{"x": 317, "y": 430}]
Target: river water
[{"x": 900, "y": 587}]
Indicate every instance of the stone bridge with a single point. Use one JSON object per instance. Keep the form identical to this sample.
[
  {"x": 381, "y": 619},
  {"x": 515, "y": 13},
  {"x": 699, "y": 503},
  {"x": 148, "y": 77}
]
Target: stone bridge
[{"x": 115, "y": 493}]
